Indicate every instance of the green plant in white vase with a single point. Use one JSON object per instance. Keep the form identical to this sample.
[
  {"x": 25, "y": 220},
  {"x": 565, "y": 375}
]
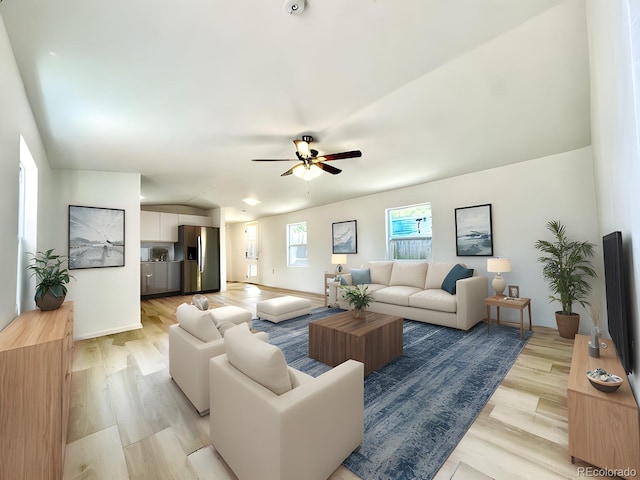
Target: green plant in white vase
[{"x": 358, "y": 297}]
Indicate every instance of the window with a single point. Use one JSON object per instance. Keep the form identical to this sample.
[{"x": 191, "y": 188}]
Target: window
[
  {"x": 251, "y": 241},
  {"x": 297, "y": 245},
  {"x": 409, "y": 232},
  {"x": 27, "y": 225}
]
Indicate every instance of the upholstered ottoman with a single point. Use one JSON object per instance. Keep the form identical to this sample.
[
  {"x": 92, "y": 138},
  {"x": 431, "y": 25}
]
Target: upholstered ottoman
[
  {"x": 231, "y": 314},
  {"x": 283, "y": 308}
]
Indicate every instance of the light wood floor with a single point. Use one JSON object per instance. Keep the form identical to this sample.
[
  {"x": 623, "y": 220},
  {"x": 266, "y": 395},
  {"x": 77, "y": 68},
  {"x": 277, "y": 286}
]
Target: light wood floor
[{"x": 128, "y": 419}]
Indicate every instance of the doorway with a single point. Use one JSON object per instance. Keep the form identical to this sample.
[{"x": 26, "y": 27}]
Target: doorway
[{"x": 251, "y": 252}]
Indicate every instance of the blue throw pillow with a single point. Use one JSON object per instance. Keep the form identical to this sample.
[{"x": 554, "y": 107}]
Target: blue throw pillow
[
  {"x": 360, "y": 276},
  {"x": 458, "y": 272},
  {"x": 343, "y": 281}
]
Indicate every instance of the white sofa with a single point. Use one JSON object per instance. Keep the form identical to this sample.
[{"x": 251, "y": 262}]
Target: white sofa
[
  {"x": 194, "y": 340},
  {"x": 272, "y": 422},
  {"x": 413, "y": 290}
]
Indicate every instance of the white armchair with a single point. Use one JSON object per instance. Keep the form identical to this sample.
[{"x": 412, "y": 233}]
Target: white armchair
[
  {"x": 305, "y": 431},
  {"x": 189, "y": 353}
]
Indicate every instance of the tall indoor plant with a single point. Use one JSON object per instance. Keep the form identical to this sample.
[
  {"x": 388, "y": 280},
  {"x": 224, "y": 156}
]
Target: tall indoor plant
[
  {"x": 52, "y": 276},
  {"x": 566, "y": 267}
]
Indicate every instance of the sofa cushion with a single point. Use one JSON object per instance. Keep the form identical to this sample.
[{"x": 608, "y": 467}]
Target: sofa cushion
[
  {"x": 434, "y": 299},
  {"x": 372, "y": 288},
  {"x": 262, "y": 362},
  {"x": 436, "y": 274},
  {"x": 360, "y": 276},
  {"x": 396, "y": 295},
  {"x": 380, "y": 271},
  {"x": 230, "y": 313},
  {"x": 458, "y": 272},
  {"x": 410, "y": 274},
  {"x": 197, "y": 322},
  {"x": 224, "y": 326}
]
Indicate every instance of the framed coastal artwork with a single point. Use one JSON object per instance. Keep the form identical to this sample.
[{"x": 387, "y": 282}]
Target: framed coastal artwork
[
  {"x": 96, "y": 237},
  {"x": 474, "y": 234},
  {"x": 344, "y": 237}
]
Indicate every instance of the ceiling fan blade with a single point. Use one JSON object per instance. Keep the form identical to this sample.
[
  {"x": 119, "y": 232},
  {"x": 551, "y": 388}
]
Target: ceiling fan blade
[
  {"x": 340, "y": 156},
  {"x": 290, "y": 171},
  {"x": 327, "y": 168},
  {"x": 274, "y": 160}
]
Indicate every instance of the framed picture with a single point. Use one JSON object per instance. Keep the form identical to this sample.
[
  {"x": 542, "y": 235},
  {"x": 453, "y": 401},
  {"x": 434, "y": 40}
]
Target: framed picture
[
  {"x": 514, "y": 291},
  {"x": 474, "y": 234},
  {"x": 96, "y": 237},
  {"x": 344, "y": 235}
]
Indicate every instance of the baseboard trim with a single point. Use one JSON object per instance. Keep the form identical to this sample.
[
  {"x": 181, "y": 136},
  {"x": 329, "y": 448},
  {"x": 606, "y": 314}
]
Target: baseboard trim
[{"x": 112, "y": 331}]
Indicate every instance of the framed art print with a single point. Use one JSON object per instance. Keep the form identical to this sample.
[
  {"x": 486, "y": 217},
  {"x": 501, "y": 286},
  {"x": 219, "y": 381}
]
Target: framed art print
[
  {"x": 96, "y": 237},
  {"x": 344, "y": 237},
  {"x": 474, "y": 234}
]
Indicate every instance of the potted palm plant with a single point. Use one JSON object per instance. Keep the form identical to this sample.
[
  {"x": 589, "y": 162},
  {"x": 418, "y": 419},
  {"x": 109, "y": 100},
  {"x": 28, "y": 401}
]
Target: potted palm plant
[
  {"x": 52, "y": 276},
  {"x": 358, "y": 297},
  {"x": 566, "y": 267}
]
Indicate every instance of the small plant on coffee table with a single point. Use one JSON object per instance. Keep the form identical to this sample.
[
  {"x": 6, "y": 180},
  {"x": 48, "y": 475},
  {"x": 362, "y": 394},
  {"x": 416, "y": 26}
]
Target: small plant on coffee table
[{"x": 358, "y": 297}]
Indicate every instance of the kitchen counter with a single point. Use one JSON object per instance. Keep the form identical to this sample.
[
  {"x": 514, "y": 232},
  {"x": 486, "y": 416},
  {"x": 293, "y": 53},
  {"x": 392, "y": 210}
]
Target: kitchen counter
[{"x": 162, "y": 261}]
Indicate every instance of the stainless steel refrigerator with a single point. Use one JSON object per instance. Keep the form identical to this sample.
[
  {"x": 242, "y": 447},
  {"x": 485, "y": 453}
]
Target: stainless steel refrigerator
[{"x": 199, "y": 250}]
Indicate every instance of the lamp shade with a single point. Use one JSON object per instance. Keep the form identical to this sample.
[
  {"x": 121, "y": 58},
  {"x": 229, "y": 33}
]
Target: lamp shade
[
  {"x": 338, "y": 258},
  {"x": 498, "y": 265}
]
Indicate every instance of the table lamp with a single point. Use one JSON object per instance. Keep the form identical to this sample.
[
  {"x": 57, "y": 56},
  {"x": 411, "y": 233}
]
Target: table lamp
[
  {"x": 338, "y": 259},
  {"x": 498, "y": 266}
]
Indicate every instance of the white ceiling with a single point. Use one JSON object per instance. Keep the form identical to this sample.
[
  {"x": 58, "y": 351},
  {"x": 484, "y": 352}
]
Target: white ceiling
[{"x": 188, "y": 92}]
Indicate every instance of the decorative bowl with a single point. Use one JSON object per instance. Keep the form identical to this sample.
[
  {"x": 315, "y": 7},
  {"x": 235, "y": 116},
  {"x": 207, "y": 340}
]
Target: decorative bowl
[{"x": 603, "y": 381}]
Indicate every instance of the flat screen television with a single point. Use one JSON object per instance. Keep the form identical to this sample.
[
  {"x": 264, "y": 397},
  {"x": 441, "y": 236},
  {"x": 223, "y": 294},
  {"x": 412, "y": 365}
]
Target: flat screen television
[{"x": 617, "y": 298}]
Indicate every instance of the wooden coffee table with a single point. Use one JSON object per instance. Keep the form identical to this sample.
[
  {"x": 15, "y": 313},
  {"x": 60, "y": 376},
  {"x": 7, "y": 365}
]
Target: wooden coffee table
[{"x": 374, "y": 340}]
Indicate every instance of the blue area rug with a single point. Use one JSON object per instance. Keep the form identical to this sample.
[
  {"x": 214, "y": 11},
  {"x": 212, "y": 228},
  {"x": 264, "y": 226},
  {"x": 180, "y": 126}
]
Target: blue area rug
[{"x": 418, "y": 407}]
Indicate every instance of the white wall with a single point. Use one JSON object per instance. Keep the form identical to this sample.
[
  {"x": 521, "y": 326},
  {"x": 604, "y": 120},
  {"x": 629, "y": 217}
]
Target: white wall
[
  {"x": 15, "y": 119},
  {"x": 614, "y": 43},
  {"x": 524, "y": 196},
  {"x": 107, "y": 300}
]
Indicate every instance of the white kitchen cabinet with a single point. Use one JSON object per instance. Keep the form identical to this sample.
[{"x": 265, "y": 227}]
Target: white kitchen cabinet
[
  {"x": 197, "y": 220},
  {"x": 169, "y": 227},
  {"x": 149, "y": 226},
  {"x": 158, "y": 226}
]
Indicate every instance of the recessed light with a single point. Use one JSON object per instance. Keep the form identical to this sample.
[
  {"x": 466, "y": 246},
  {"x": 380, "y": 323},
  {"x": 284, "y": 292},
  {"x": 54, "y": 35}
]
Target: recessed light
[{"x": 251, "y": 201}]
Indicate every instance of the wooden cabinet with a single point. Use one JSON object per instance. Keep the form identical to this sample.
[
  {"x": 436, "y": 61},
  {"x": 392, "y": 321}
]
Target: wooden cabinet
[
  {"x": 604, "y": 428},
  {"x": 36, "y": 351}
]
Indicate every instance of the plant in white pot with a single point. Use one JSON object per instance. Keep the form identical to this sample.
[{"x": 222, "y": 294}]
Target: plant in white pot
[
  {"x": 52, "y": 277},
  {"x": 359, "y": 299},
  {"x": 566, "y": 267}
]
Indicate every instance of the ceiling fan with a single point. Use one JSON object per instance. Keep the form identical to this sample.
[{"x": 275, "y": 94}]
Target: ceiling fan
[{"x": 311, "y": 165}]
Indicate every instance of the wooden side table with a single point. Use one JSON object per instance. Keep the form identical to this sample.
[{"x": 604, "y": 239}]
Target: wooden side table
[{"x": 508, "y": 302}]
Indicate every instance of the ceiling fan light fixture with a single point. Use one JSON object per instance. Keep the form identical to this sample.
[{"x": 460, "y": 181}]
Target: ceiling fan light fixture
[
  {"x": 302, "y": 146},
  {"x": 307, "y": 172}
]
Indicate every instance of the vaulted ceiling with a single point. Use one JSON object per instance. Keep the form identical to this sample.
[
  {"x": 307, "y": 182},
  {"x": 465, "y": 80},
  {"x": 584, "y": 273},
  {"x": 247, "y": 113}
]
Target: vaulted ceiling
[{"x": 187, "y": 93}]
